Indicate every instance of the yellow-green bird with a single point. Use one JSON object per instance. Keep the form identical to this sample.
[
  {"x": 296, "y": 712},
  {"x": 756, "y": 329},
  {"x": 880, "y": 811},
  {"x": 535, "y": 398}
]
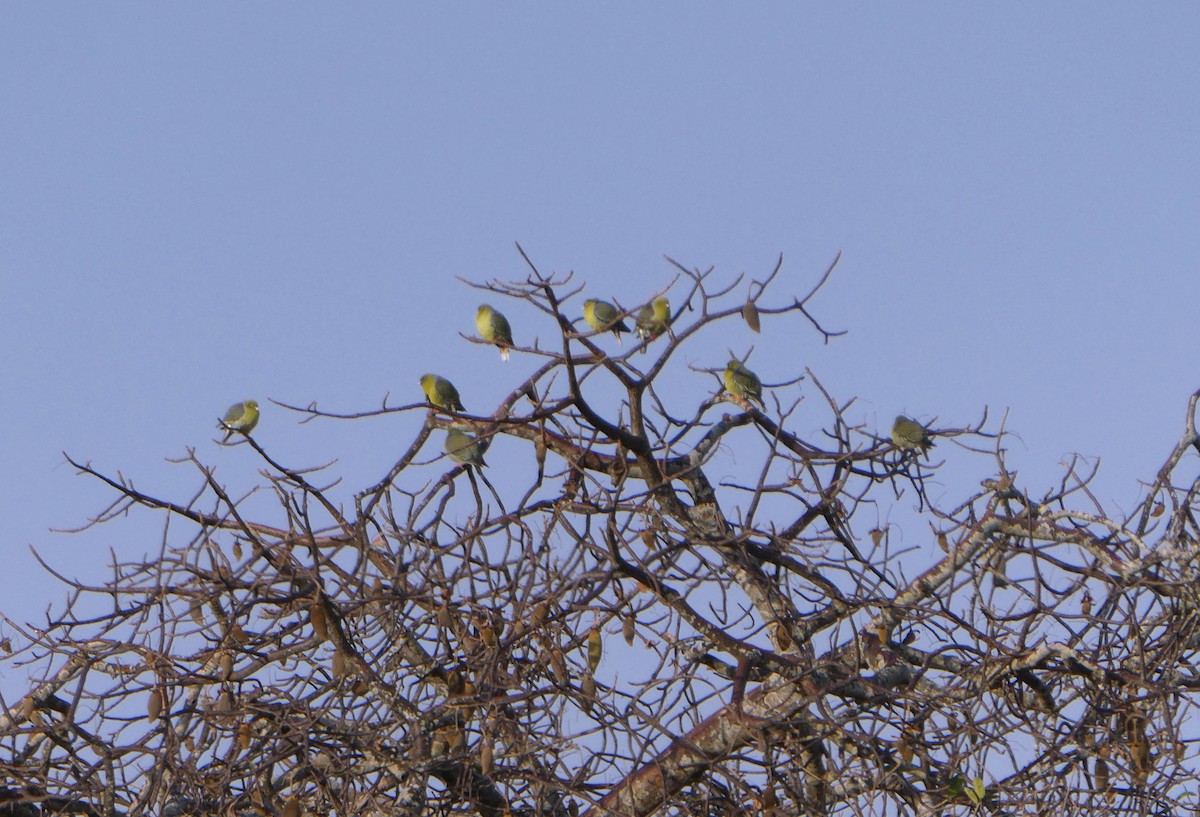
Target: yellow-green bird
[
  {"x": 493, "y": 327},
  {"x": 463, "y": 448},
  {"x": 603, "y": 316},
  {"x": 910, "y": 434},
  {"x": 653, "y": 319},
  {"x": 241, "y": 417},
  {"x": 440, "y": 392},
  {"x": 741, "y": 382}
]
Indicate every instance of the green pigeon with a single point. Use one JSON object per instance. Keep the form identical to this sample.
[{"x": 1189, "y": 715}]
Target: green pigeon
[
  {"x": 241, "y": 417},
  {"x": 493, "y": 327},
  {"x": 653, "y": 319},
  {"x": 909, "y": 434},
  {"x": 602, "y": 316},
  {"x": 463, "y": 448},
  {"x": 743, "y": 383},
  {"x": 440, "y": 392}
]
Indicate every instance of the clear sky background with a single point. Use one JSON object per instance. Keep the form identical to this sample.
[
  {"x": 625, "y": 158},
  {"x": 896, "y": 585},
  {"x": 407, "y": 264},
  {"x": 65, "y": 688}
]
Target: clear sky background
[{"x": 201, "y": 203}]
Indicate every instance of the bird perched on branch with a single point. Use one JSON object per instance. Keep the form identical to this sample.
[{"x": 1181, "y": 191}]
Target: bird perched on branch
[
  {"x": 653, "y": 319},
  {"x": 493, "y": 327},
  {"x": 464, "y": 449},
  {"x": 602, "y": 316},
  {"x": 909, "y": 434},
  {"x": 241, "y": 417},
  {"x": 440, "y": 392},
  {"x": 743, "y": 383}
]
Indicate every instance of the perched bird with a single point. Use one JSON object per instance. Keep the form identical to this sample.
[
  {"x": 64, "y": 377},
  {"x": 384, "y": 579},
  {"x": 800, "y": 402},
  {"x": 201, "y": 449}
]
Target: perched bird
[
  {"x": 741, "y": 382},
  {"x": 653, "y": 319},
  {"x": 440, "y": 392},
  {"x": 178, "y": 805},
  {"x": 601, "y": 316},
  {"x": 463, "y": 448},
  {"x": 493, "y": 327},
  {"x": 241, "y": 417},
  {"x": 910, "y": 434}
]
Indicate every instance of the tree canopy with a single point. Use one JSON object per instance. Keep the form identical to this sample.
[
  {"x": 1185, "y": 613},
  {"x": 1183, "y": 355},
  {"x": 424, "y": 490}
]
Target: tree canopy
[{"x": 648, "y": 604}]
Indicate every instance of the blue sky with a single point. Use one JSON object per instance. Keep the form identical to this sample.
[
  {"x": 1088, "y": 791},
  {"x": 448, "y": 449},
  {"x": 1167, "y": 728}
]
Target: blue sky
[{"x": 207, "y": 202}]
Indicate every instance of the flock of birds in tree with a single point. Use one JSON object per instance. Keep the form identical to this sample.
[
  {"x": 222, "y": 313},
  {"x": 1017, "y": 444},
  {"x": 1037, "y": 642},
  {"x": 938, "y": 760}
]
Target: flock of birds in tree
[{"x": 652, "y": 320}]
